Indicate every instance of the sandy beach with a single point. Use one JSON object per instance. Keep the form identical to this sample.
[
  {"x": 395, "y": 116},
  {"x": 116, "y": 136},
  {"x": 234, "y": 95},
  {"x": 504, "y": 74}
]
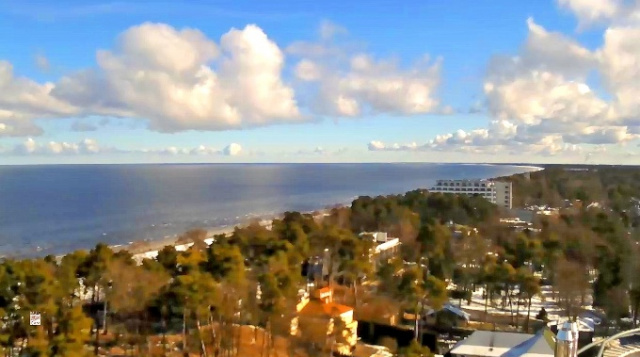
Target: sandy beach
[
  {"x": 157, "y": 244},
  {"x": 144, "y": 248}
]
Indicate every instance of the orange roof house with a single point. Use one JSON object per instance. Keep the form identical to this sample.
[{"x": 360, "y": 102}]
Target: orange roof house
[{"x": 326, "y": 324}]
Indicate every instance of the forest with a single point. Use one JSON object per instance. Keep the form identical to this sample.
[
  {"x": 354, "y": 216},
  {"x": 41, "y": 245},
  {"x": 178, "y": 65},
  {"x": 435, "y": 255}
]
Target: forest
[{"x": 195, "y": 302}]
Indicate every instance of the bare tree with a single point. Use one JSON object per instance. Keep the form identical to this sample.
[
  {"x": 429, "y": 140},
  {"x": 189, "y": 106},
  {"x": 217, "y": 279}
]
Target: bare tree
[{"x": 571, "y": 282}]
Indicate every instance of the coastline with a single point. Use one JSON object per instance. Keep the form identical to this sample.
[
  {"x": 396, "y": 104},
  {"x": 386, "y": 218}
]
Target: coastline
[
  {"x": 149, "y": 246},
  {"x": 150, "y": 249}
]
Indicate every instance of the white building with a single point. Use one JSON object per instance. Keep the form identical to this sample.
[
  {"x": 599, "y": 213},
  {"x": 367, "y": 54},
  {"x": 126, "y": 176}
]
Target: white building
[
  {"x": 505, "y": 344},
  {"x": 497, "y": 192},
  {"x": 385, "y": 247}
]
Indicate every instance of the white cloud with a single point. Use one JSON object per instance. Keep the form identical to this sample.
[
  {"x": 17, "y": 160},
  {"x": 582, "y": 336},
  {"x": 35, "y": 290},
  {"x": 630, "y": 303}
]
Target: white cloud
[
  {"x": 176, "y": 79},
  {"x": 476, "y": 142},
  {"x": 22, "y": 100},
  {"x": 547, "y": 81},
  {"x": 543, "y": 93},
  {"x": 232, "y": 149},
  {"x": 31, "y": 147},
  {"x": 380, "y": 146},
  {"x": 537, "y": 96},
  {"x": 181, "y": 80},
  {"x": 555, "y": 52},
  {"x": 172, "y": 150},
  {"x": 91, "y": 146},
  {"x": 620, "y": 68},
  {"x": 600, "y": 135},
  {"x": 370, "y": 86},
  {"x": 200, "y": 150},
  {"x": 205, "y": 150},
  {"x": 505, "y": 137},
  {"x": 347, "y": 82},
  {"x": 589, "y": 12}
]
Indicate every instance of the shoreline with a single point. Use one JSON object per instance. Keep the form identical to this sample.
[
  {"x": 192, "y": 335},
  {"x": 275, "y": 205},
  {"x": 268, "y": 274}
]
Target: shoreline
[
  {"x": 150, "y": 249},
  {"x": 146, "y": 248},
  {"x": 151, "y": 245}
]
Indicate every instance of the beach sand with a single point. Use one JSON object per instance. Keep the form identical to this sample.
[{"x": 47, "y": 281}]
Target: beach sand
[{"x": 142, "y": 247}]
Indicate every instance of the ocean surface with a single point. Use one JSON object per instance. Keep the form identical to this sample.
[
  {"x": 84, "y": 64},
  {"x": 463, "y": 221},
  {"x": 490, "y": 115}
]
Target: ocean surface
[{"x": 56, "y": 209}]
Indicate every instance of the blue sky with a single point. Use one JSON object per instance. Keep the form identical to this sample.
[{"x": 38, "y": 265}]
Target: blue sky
[{"x": 361, "y": 95}]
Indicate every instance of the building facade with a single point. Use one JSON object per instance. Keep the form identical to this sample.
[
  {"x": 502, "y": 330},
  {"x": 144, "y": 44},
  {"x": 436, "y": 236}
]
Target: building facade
[
  {"x": 497, "y": 192},
  {"x": 327, "y": 325},
  {"x": 384, "y": 248}
]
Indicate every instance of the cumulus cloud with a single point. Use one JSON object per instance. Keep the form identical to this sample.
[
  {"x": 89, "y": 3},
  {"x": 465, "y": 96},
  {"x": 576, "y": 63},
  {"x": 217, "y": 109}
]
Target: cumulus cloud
[
  {"x": 90, "y": 146},
  {"x": 31, "y": 147},
  {"x": 200, "y": 150},
  {"x": 601, "y": 135},
  {"x": 181, "y": 80},
  {"x": 541, "y": 96},
  {"x": 537, "y": 96},
  {"x": 22, "y": 100},
  {"x": 555, "y": 52},
  {"x": 620, "y": 68},
  {"x": 380, "y": 146},
  {"x": 505, "y": 137},
  {"x": 546, "y": 81},
  {"x": 590, "y": 12},
  {"x": 175, "y": 79},
  {"x": 373, "y": 86},
  {"x": 351, "y": 83},
  {"x": 232, "y": 149}
]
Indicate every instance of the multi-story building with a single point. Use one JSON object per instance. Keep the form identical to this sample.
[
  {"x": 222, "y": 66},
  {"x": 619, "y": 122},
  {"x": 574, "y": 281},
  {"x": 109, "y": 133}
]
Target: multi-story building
[
  {"x": 385, "y": 247},
  {"x": 497, "y": 192},
  {"x": 326, "y": 324}
]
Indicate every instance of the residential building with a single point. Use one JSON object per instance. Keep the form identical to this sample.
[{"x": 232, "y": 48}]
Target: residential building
[
  {"x": 505, "y": 344},
  {"x": 385, "y": 247},
  {"x": 449, "y": 316},
  {"x": 328, "y": 325},
  {"x": 497, "y": 192}
]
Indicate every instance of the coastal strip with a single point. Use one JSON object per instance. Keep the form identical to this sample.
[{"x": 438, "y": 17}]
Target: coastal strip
[
  {"x": 141, "y": 250},
  {"x": 149, "y": 248}
]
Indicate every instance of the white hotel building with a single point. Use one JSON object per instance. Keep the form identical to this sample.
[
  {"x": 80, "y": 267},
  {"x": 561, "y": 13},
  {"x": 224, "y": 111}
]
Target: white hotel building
[{"x": 497, "y": 192}]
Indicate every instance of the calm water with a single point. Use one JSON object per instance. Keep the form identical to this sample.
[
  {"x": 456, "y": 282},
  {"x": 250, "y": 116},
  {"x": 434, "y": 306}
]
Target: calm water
[{"x": 61, "y": 208}]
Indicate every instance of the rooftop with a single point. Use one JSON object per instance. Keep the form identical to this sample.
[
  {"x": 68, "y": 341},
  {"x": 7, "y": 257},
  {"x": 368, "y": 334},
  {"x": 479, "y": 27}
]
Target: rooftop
[
  {"x": 329, "y": 309},
  {"x": 506, "y": 344}
]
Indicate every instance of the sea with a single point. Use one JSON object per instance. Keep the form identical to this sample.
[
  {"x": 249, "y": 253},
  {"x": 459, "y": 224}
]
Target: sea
[{"x": 54, "y": 209}]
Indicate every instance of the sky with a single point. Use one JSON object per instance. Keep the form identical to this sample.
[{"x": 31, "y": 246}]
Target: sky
[{"x": 488, "y": 81}]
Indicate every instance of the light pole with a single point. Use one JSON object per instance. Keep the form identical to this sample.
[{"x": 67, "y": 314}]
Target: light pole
[{"x": 104, "y": 313}]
